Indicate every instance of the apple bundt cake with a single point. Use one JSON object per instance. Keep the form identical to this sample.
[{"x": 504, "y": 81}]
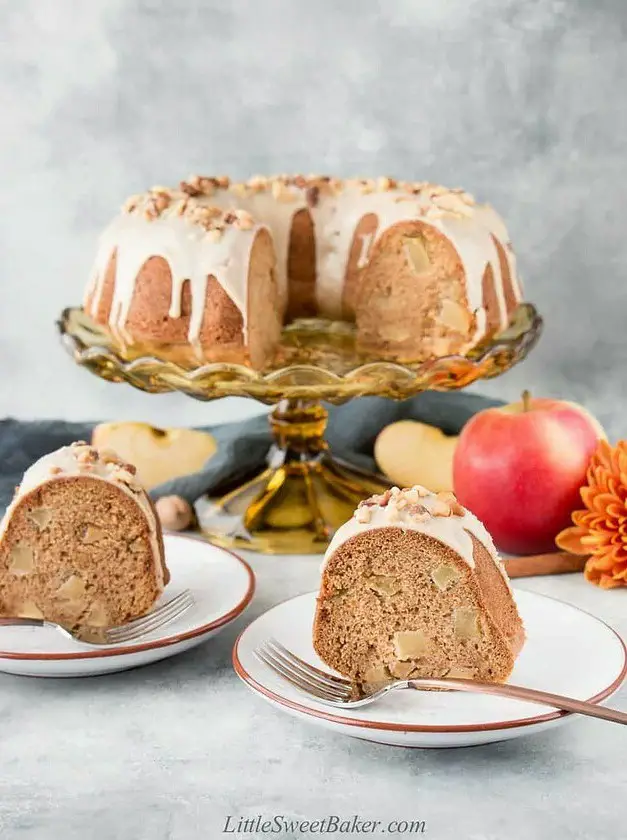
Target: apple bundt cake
[
  {"x": 412, "y": 586},
  {"x": 80, "y": 542},
  {"x": 215, "y": 268}
]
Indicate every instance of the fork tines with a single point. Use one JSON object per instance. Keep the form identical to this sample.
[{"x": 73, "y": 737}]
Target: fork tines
[
  {"x": 153, "y": 621},
  {"x": 302, "y": 675}
]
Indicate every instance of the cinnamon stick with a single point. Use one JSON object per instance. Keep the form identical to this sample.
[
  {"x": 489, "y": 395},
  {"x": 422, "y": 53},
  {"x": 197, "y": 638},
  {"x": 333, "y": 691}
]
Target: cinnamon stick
[{"x": 554, "y": 563}]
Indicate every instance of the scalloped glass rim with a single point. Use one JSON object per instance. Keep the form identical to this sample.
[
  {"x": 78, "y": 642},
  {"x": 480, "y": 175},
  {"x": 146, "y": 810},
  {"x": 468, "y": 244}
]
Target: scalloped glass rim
[{"x": 317, "y": 361}]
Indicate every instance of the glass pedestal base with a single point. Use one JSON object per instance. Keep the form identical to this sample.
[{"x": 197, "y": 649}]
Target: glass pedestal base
[{"x": 297, "y": 503}]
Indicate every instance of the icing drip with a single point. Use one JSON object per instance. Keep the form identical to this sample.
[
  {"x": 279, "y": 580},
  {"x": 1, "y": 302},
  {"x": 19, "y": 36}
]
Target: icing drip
[
  {"x": 193, "y": 253},
  {"x": 67, "y": 461},
  {"x": 337, "y": 212},
  {"x": 366, "y": 244}
]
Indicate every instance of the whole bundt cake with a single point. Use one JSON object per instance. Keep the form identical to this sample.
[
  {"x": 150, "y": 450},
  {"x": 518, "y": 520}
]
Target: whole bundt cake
[
  {"x": 216, "y": 268},
  {"x": 412, "y": 586}
]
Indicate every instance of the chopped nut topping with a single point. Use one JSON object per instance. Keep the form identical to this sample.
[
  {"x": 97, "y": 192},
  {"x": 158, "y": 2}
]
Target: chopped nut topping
[
  {"x": 243, "y": 220},
  {"x": 384, "y": 498},
  {"x": 87, "y": 455},
  {"x": 386, "y": 184},
  {"x": 312, "y": 195},
  {"x": 441, "y": 508},
  {"x": 451, "y": 501},
  {"x": 417, "y": 502},
  {"x": 198, "y": 185},
  {"x": 418, "y": 512}
]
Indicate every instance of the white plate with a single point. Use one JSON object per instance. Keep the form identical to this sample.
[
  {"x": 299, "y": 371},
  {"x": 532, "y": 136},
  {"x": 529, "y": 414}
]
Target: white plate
[
  {"x": 222, "y": 585},
  {"x": 568, "y": 651}
]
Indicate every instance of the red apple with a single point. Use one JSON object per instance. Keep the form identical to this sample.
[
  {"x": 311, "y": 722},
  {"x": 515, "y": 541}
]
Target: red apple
[{"x": 519, "y": 469}]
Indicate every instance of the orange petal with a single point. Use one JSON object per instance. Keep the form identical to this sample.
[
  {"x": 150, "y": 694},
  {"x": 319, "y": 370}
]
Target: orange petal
[
  {"x": 578, "y": 516},
  {"x": 601, "y": 501},
  {"x": 602, "y": 562},
  {"x": 615, "y": 509},
  {"x": 588, "y": 495},
  {"x": 570, "y": 540}
]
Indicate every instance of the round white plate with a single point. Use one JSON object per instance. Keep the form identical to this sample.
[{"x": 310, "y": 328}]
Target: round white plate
[
  {"x": 222, "y": 585},
  {"x": 567, "y": 652}
]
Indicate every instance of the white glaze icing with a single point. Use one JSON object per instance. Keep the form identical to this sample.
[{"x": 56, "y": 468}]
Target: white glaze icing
[
  {"x": 454, "y": 531},
  {"x": 366, "y": 245},
  {"x": 64, "y": 462},
  {"x": 193, "y": 255}
]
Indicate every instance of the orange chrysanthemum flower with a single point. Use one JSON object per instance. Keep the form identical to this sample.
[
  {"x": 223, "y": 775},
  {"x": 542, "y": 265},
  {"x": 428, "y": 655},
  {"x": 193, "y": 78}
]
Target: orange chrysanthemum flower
[{"x": 601, "y": 529}]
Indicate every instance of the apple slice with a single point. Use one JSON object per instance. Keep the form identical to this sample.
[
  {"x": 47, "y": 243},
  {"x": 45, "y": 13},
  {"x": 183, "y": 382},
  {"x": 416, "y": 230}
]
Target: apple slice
[{"x": 409, "y": 452}]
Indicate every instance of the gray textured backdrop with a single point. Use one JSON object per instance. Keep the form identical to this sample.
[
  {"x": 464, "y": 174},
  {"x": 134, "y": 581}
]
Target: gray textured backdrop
[{"x": 523, "y": 103}]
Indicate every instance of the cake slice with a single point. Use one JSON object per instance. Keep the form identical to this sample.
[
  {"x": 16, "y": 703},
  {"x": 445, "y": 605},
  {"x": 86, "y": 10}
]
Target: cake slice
[
  {"x": 412, "y": 586},
  {"x": 80, "y": 542}
]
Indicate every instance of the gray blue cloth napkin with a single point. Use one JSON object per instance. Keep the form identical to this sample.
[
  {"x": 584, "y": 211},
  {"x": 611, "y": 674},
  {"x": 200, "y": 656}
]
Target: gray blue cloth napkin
[{"x": 243, "y": 446}]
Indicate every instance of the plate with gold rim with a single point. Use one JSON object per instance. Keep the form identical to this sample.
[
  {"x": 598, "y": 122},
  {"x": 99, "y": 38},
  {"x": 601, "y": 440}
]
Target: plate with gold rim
[
  {"x": 568, "y": 651},
  {"x": 222, "y": 585}
]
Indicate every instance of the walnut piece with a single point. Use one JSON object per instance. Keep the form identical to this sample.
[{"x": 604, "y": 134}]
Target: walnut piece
[
  {"x": 417, "y": 254},
  {"x": 410, "y": 644},
  {"x": 466, "y": 622},
  {"x": 21, "y": 560},
  {"x": 41, "y": 517},
  {"x": 72, "y": 589},
  {"x": 384, "y": 584},
  {"x": 445, "y": 576},
  {"x": 175, "y": 513},
  {"x": 451, "y": 500},
  {"x": 441, "y": 508}
]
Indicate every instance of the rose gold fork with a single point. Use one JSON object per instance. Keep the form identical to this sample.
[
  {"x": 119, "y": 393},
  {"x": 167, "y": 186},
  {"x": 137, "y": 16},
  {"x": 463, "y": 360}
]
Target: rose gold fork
[{"x": 333, "y": 690}]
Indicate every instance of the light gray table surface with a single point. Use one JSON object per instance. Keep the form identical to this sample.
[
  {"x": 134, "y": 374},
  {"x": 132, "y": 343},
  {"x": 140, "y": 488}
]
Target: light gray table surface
[{"x": 169, "y": 751}]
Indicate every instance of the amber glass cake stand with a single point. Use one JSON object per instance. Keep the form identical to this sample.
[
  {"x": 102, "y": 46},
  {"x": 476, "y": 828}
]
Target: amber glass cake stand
[{"x": 304, "y": 494}]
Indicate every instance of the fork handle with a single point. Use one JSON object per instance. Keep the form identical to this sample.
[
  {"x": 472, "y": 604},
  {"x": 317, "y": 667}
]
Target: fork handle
[
  {"x": 22, "y": 622},
  {"x": 532, "y": 695}
]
